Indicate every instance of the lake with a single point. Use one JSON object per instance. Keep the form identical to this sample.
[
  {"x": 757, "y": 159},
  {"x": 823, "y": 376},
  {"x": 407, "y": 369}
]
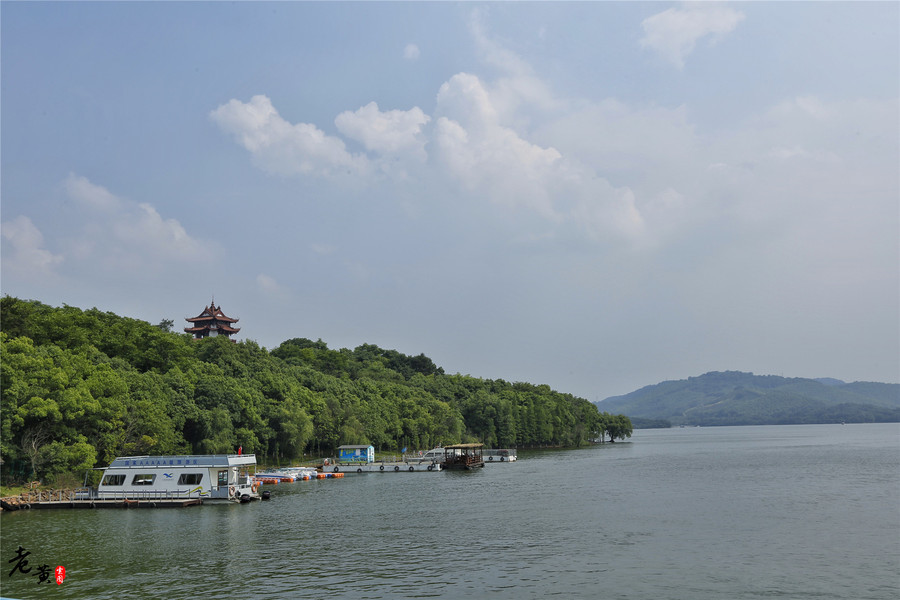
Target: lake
[{"x": 809, "y": 511}]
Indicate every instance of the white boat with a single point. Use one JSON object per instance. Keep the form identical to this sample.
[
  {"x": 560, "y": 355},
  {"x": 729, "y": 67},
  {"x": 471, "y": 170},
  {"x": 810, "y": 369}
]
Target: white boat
[{"x": 212, "y": 478}]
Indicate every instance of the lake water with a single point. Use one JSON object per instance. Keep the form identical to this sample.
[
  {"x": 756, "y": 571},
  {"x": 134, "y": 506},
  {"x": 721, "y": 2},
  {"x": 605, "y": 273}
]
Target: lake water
[{"x": 698, "y": 513}]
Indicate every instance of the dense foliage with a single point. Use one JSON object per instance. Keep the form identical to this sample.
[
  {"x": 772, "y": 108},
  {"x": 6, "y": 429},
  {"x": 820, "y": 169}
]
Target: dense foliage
[
  {"x": 735, "y": 398},
  {"x": 80, "y": 387}
]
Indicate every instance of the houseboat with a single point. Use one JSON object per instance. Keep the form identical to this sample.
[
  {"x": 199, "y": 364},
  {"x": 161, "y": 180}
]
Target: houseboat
[
  {"x": 463, "y": 456},
  {"x": 212, "y": 478}
]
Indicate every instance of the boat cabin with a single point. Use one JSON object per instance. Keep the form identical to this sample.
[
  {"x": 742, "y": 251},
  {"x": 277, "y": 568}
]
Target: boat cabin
[
  {"x": 211, "y": 477},
  {"x": 463, "y": 456},
  {"x": 356, "y": 454}
]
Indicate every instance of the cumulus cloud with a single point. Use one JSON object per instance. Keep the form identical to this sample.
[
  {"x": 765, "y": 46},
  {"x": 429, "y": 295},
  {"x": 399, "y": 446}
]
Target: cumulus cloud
[
  {"x": 517, "y": 86},
  {"x": 470, "y": 145},
  {"x": 26, "y": 252},
  {"x": 281, "y": 147},
  {"x": 483, "y": 155},
  {"x": 90, "y": 195},
  {"x": 391, "y": 132},
  {"x": 602, "y": 169},
  {"x": 673, "y": 33},
  {"x": 122, "y": 233}
]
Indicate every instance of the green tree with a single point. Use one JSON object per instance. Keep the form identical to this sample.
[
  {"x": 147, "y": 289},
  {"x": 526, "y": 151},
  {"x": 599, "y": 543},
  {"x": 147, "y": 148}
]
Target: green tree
[{"x": 618, "y": 427}]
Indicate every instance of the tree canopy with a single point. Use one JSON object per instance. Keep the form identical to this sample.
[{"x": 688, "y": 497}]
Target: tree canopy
[{"x": 80, "y": 387}]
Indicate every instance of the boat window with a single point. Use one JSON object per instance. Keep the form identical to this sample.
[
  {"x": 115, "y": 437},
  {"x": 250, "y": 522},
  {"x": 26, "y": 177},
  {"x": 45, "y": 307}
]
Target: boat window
[
  {"x": 190, "y": 478},
  {"x": 223, "y": 478},
  {"x": 113, "y": 480},
  {"x": 143, "y": 479}
]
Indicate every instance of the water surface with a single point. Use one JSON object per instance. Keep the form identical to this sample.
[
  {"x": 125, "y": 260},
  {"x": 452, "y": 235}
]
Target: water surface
[{"x": 702, "y": 513}]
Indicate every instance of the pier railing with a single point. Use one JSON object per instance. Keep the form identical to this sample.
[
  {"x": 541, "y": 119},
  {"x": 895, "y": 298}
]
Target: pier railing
[
  {"x": 91, "y": 494},
  {"x": 55, "y": 495},
  {"x": 154, "y": 495}
]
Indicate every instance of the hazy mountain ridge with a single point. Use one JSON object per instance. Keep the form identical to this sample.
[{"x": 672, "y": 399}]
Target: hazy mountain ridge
[{"x": 737, "y": 398}]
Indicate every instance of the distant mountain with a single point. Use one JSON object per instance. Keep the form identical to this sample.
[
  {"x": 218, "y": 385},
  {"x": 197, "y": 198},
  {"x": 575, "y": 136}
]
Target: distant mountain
[{"x": 736, "y": 398}]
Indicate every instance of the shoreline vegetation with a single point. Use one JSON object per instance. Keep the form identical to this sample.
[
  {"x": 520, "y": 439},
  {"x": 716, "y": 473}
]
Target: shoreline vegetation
[{"x": 80, "y": 387}]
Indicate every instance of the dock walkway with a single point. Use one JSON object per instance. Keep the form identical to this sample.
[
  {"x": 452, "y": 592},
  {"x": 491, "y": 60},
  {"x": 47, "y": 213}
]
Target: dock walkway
[{"x": 81, "y": 498}]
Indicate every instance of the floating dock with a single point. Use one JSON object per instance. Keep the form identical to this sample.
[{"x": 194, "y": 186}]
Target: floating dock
[
  {"x": 382, "y": 467},
  {"x": 73, "y": 499}
]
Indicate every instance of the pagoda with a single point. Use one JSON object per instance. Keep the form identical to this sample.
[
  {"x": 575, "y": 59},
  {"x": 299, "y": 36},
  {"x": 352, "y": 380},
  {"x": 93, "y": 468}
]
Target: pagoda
[{"x": 211, "y": 322}]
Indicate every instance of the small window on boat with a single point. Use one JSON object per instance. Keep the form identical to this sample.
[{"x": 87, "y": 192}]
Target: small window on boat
[
  {"x": 113, "y": 480},
  {"x": 223, "y": 478},
  {"x": 143, "y": 479},
  {"x": 190, "y": 478}
]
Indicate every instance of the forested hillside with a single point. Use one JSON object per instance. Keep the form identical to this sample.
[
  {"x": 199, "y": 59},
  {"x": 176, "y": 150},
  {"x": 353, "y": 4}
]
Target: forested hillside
[
  {"x": 80, "y": 387},
  {"x": 735, "y": 398}
]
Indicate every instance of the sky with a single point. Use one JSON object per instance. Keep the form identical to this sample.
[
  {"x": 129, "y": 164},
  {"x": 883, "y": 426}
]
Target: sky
[{"x": 596, "y": 196}]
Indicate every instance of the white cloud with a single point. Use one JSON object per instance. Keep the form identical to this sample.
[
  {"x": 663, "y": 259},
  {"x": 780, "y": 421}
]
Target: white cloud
[
  {"x": 673, "y": 33},
  {"x": 390, "y": 132},
  {"x": 484, "y": 156},
  {"x": 280, "y": 147},
  {"x": 27, "y": 254},
  {"x": 518, "y": 86},
  {"x": 120, "y": 233},
  {"x": 470, "y": 146},
  {"x": 90, "y": 195},
  {"x": 602, "y": 170},
  {"x": 411, "y": 52}
]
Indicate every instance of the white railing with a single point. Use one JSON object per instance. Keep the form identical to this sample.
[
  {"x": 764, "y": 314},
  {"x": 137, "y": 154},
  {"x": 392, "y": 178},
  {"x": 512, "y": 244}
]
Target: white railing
[{"x": 147, "y": 495}]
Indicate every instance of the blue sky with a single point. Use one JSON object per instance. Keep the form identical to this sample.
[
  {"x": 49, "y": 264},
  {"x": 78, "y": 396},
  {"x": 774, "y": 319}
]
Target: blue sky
[{"x": 595, "y": 196}]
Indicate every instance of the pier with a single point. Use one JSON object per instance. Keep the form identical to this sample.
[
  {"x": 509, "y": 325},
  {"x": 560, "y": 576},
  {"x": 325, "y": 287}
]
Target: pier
[
  {"x": 82, "y": 498},
  {"x": 384, "y": 467}
]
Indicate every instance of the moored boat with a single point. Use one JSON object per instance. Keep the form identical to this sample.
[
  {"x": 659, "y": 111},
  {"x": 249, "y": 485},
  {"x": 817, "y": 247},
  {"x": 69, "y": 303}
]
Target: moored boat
[
  {"x": 212, "y": 478},
  {"x": 436, "y": 455},
  {"x": 463, "y": 456}
]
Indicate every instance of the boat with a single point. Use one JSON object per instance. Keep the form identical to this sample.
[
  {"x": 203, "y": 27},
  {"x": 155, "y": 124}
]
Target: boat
[
  {"x": 211, "y": 478},
  {"x": 463, "y": 456},
  {"x": 436, "y": 455}
]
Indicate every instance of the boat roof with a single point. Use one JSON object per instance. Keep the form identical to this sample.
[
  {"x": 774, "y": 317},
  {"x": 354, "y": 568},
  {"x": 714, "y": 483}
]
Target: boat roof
[
  {"x": 464, "y": 446},
  {"x": 185, "y": 460},
  {"x": 354, "y": 447}
]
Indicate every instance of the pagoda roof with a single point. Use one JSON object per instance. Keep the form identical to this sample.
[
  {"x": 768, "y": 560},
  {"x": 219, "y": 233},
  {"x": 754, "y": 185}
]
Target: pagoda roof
[{"x": 212, "y": 313}]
